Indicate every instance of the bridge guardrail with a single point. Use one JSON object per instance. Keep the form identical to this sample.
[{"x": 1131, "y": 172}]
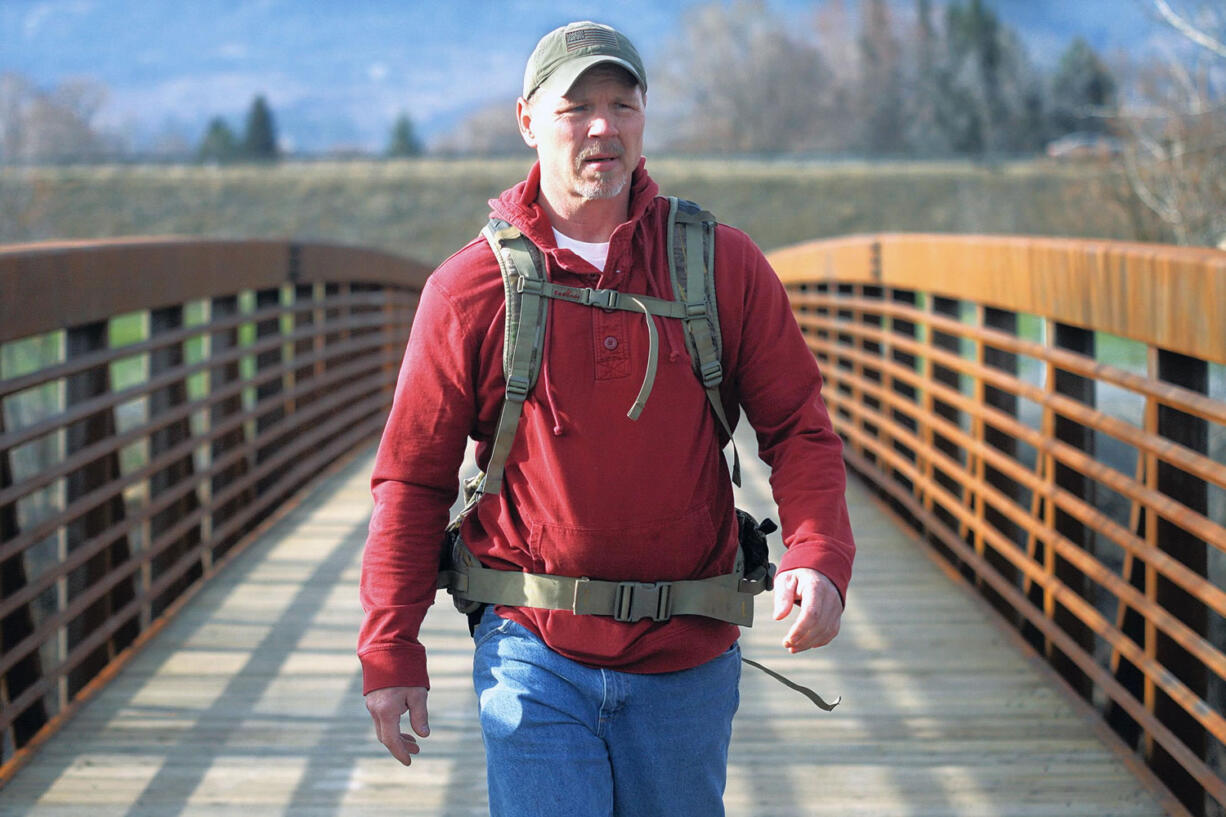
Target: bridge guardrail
[
  {"x": 161, "y": 399},
  {"x": 1051, "y": 415}
]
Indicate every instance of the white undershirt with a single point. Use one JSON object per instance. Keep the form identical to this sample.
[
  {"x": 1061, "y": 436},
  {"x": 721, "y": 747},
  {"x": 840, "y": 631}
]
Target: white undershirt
[{"x": 594, "y": 254}]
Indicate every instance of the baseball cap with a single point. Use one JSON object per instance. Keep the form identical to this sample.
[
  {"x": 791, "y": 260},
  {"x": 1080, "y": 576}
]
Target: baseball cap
[{"x": 565, "y": 53}]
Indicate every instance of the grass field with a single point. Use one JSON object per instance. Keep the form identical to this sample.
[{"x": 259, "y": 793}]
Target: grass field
[{"x": 427, "y": 208}]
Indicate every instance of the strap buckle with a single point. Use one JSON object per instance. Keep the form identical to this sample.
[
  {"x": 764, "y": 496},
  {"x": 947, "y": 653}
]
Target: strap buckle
[
  {"x": 518, "y": 387},
  {"x": 759, "y": 580},
  {"x": 601, "y": 298},
  {"x": 637, "y": 600},
  {"x": 531, "y": 286}
]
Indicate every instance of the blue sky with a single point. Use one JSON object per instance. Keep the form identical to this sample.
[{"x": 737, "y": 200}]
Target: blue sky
[{"x": 339, "y": 72}]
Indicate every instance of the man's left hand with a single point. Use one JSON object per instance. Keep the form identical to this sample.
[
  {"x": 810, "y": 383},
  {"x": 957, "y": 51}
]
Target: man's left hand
[{"x": 820, "y": 608}]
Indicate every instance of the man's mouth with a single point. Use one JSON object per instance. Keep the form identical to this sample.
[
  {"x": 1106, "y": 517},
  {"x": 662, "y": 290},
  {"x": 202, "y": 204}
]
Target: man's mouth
[{"x": 600, "y": 159}]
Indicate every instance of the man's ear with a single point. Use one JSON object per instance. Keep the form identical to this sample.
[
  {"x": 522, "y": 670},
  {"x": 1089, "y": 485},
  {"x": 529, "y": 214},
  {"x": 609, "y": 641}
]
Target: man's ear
[{"x": 523, "y": 117}]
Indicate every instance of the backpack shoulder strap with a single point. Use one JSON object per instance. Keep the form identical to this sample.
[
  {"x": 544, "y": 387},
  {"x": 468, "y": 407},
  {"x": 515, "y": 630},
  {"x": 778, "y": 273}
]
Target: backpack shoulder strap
[
  {"x": 691, "y": 255},
  {"x": 526, "y": 316}
]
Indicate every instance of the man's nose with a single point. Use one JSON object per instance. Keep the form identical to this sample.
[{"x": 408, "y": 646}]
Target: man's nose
[{"x": 602, "y": 125}]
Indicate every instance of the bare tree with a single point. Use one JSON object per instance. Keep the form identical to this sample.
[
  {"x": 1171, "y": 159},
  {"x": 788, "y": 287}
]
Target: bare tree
[
  {"x": 57, "y": 125},
  {"x": 1175, "y": 128},
  {"x": 738, "y": 81},
  {"x": 15, "y": 95},
  {"x": 490, "y": 131},
  {"x": 835, "y": 36}
]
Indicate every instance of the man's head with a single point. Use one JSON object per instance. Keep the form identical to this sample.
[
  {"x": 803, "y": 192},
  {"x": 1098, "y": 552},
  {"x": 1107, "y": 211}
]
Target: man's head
[
  {"x": 565, "y": 53},
  {"x": 583, "y": 111}
]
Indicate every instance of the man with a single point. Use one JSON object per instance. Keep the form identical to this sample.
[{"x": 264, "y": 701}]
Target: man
[{"x": 585, "y": 714}]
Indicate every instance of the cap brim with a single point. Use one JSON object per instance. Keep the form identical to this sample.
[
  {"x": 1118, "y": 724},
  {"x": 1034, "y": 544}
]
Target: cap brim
[{"x": 561, "y": 80}]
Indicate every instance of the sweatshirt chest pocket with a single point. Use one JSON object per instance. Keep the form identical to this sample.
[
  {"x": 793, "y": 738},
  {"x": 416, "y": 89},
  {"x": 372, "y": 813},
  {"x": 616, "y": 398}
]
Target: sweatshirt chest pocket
[
  {"x": 611, "y": 342},
  {"x": 676, "y": 547}
]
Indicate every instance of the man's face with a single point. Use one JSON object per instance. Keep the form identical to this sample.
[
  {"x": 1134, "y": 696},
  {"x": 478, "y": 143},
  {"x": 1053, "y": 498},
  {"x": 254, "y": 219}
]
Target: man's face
[{"x": 589, "y": 140}]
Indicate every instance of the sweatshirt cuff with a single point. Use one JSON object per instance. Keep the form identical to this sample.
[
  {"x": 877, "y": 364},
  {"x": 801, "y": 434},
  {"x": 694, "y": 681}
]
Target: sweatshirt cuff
[
  {"x": 399, "y": 667},
  {"x": 826, "y": 557}
]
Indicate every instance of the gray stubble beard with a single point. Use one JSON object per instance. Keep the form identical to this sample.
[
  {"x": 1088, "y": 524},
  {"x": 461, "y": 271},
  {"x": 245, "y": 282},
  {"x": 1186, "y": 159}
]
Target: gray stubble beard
[{"x": 600, "y": 189}]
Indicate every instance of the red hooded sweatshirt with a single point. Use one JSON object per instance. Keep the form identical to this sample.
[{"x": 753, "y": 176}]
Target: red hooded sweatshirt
[{"x": 588, "y": 491}]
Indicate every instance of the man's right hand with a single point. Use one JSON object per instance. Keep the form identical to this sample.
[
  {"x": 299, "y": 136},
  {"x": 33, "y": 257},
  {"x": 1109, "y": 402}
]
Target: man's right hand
[{"x": 386, "y": 706}]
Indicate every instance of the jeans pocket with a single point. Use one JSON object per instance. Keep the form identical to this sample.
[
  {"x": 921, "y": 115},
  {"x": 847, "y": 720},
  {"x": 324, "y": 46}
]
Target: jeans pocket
[{"x": 491, "y": 624}]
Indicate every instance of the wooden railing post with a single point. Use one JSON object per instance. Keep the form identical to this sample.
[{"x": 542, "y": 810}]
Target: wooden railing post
[
  {"x": 222, "y": 410},
  {"x": 1068, "y": 479},
  {"x": 944, "y": 375},
  {"x": 161, "y": 401},
  {"x": 305, "y": 315},
  {"x": 1006, "y": 403},
  {"x": 1192, "y": 552},
  {"x": 95, "y": 428},
  {"x": 903, "y": 419},
  {"x": 272, "y": 413},
  {"x": 17, "y": 626}
]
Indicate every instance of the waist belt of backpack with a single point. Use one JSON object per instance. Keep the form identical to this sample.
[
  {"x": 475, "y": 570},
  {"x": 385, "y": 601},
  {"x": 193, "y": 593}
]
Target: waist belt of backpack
[{"x": 727, "y": 598}]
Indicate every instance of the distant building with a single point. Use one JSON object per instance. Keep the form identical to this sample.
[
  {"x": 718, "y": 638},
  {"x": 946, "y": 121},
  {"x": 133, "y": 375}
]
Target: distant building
[{"x": 1077, "y": 146}]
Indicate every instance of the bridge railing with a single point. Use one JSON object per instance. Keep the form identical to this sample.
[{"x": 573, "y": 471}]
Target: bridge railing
[
  {"x": 160, "y": 400},
  {"x": 1051, "y": 414}
]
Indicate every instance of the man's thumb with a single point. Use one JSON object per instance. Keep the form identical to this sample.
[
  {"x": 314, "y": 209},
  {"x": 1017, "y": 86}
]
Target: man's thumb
[
  {"x": 785, "y": 596},
  {"x": 419, "y": 719}
]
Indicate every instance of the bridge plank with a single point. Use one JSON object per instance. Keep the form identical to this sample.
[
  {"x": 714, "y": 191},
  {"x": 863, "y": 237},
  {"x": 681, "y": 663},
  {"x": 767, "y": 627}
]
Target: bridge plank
[{"x": 249, "y": 702}]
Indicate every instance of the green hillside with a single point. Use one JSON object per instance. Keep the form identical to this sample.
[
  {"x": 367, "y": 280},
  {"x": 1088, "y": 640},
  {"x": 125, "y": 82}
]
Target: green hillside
[{"x": 427, "y": 208}]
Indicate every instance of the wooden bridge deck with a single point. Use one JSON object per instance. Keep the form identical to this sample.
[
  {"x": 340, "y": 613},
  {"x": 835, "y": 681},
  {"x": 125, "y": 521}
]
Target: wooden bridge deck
[{"x": 249, "y": 702}]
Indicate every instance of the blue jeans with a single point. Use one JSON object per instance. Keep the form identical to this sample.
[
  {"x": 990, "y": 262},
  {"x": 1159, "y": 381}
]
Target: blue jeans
[{"x": 572, "y": 741}]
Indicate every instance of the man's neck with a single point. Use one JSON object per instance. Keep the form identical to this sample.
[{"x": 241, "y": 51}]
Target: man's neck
[{"x": 589, "y": 220}]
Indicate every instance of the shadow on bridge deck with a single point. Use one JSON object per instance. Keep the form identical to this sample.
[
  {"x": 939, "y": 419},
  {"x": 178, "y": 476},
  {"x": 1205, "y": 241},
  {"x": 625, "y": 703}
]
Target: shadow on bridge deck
[{"x": 249, "y": 702}]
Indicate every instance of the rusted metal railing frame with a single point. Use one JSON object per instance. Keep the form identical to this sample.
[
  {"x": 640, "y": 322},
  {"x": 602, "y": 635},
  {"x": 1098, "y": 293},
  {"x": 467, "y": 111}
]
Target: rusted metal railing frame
[
  {"x": 114, "y": 444},
  {"x": 1035, "y": 615},
  {"x": 160, "y": 503},
  {"x": 1060, "y": 452},
  {"x": 307, "y": 296},
  {"x": 1197, "y": 464},
  {"x": 115, "y": 487},
  {"x": 824, "y": 278},
  {"x": 1057, "y": 451}
]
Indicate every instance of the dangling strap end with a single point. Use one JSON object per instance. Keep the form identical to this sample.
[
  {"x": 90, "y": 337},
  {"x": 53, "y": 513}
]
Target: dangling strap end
[
  {"x": 653, "y": 355},
  {"x": 818, "y": 700}
]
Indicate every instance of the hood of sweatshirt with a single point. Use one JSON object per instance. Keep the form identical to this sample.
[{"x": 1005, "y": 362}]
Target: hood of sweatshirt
[{"x": 519, "y": 206}]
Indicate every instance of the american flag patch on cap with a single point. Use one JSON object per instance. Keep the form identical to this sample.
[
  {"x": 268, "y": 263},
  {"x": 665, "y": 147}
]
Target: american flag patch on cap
[{"x": 586, "y": 37}]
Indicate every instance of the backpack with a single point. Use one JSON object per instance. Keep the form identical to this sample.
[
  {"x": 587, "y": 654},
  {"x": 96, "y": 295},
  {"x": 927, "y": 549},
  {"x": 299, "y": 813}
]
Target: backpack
[{"x": 691, "y": 254}]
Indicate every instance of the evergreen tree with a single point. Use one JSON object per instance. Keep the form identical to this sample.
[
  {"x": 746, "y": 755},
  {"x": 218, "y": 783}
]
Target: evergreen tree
[
  {"x": 1082, "y": 91},
  {"x": 973, "y": 34},
  {"x": 993, "y": 103},
  {"x": 881, "y": 93},
  {"x": 260, "y": 138},
  {"x": 925, "y": 85},
  {"x": 219, "y": 143},
  {"x": 404, "y": 141}
]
